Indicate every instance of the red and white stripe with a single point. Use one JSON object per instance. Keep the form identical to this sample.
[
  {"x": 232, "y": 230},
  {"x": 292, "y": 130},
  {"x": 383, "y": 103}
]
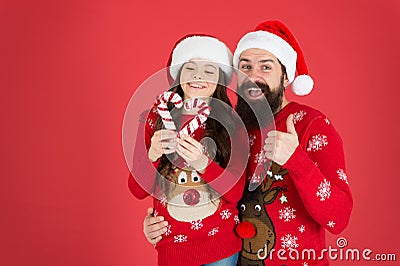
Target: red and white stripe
[
  {"x": 199, "y": 119},
  {"x": 162, "y": 108}
]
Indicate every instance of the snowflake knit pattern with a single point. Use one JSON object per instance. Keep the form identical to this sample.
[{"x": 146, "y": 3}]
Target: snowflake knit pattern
[{"x": 314, "y": 195}]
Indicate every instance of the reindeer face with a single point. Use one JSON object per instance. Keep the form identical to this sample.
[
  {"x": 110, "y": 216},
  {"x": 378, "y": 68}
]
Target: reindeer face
[
  {"x": 251, "y": 208},
  {"x": 253, "y": 212},
  {"x": 190, "y": 199},
  {"x": 252, "y": 204},
  {"x": 256, "y": 229}
]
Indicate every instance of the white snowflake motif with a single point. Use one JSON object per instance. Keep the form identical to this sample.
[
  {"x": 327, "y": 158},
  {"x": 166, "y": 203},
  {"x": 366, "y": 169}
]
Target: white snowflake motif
[
  {"x": 331, "y": 224},
  {"x": 168, "y": 232},
  {"x": 255, "y": 179},
  {"x": 163, "y": 200},
  {"x": 304, "y": 264},
  {"x": 269, "y": 173},
  {"x": 287, "y": 214},
  {"x": 324, "y": 190},
  {"x": 236, "y": 219},
  {"x": 180, "y": 239},
  {"x": 317, "y": 142},
  {"x": 260, "y": 158},
  {"x": 213, "y": 231},
  {"x": 155, "y": 213},
  {"x": 298, "y": 116},
  {"x": 151, "y": 123},
  {"x": 278, "y": 177},
  {"x": 327, "y": 121},
  {"x": 289, "y": 241},
  {"x": 302, "y": 228},
  {"x": 252, "y": 138},
  {"x": 225, "y": 214},
  {"x": 196, "y": 225},
  {"x": 342, "y": 175}
]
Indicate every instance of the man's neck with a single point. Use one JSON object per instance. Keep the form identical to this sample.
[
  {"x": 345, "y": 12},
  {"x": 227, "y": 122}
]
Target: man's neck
[{"x": 283, "y": 105}]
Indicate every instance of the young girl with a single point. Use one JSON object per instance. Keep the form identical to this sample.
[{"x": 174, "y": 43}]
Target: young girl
[{"x": 196, "y": 186}]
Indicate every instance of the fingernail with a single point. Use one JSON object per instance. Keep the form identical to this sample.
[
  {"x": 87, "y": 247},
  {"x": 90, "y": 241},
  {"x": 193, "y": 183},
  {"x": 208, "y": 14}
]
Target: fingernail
[{"x": 165, "y": 223}]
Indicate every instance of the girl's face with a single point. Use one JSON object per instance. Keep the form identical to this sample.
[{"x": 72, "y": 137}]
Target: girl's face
[{"x": 199, "y": 78}]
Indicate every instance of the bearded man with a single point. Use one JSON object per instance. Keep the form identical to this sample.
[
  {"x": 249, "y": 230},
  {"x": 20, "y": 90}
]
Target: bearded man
[{"x": 309, "y": 183}]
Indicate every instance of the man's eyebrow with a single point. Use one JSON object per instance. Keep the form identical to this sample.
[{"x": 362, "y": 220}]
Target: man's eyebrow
[
  {"x": 266, "y": 61},
  {"x": 259, "y": 61}
]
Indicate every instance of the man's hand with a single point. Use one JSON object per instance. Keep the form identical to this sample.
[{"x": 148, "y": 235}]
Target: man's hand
[
  {"x": 279, "y": 146},
  {"x": 154, "y": 227}
]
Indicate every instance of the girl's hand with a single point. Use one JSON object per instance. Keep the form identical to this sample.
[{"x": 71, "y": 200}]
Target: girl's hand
[
  {"x": 192, "y": 151},
  {"x": 162, "y": 142}
]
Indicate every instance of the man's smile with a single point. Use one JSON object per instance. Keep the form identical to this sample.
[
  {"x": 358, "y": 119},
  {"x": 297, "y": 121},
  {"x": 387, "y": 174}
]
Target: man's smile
[{"x": 254, "y": 93}]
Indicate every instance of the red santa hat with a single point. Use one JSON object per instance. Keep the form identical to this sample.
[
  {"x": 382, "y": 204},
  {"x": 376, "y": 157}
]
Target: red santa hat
[
  {"x": 276, "y": 38},
  {"x": 200, "y": 46}
]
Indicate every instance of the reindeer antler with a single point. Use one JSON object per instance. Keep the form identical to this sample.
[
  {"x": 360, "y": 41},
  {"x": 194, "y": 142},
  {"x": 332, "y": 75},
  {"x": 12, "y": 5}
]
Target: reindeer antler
[
  {"x": 269, "y": 180},
  {"x": 272, "y": 175},
  {"x": 277, "y": 169}
]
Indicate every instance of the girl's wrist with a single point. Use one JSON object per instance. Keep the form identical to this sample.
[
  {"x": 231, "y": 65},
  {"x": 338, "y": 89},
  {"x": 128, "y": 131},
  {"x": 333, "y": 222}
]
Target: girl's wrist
[{"x": 201, "y": 164}]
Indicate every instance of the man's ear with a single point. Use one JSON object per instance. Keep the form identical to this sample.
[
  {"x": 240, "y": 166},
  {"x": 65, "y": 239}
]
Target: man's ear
[{"x": 285, "y": 81}]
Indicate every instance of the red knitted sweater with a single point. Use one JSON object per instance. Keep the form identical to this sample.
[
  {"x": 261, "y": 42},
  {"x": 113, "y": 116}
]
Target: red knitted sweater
[
  {"x": 199, "y": 239},
  {"x": 311, "y": 190}
]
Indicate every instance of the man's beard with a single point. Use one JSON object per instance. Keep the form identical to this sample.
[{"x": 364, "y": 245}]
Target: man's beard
[{"x": 255, "y": 113}]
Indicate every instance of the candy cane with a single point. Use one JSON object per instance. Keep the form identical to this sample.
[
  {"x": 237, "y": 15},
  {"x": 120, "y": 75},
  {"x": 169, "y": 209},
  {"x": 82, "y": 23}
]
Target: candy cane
[
  {"x": 162, "y": 108},
  {"x": 199, "y": 119}
]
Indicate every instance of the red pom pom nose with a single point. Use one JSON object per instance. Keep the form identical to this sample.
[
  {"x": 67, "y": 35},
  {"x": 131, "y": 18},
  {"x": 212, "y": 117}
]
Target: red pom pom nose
[
  {"x": 246, "y": 230},
  {"x": 191, "y": 197}
]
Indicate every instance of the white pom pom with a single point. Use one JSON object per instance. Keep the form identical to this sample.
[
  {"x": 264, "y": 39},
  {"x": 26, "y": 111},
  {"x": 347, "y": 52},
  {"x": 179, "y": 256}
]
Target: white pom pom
[{"x": 302, "y": 85}]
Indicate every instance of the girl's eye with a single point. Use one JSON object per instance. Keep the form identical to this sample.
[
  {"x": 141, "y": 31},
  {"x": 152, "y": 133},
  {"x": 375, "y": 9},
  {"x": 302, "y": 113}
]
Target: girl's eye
[
  {"x": 245, "y": 67},
  {"x": 210, "y": 70},
  {"x": 266, "y": 67},
  {"x": 257, "y": 207},
  {"x": 189, "y": 68}
]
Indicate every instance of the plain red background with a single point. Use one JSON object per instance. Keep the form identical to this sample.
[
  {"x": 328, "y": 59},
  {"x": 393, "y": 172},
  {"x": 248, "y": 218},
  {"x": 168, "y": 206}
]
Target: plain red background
[{"x": 69, "y": 68}]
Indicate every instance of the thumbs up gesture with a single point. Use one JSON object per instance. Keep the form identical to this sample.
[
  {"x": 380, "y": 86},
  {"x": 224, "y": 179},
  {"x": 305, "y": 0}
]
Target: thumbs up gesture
[{"x": 279, "y": 146}]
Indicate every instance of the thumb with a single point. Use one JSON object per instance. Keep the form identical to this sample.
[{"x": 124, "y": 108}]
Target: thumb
[
  {"x": 290, "y": 125},
  {"x": 150, "y": 212}
]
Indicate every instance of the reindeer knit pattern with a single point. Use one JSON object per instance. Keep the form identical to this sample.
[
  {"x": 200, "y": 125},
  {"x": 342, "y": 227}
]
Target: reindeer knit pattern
[
  {"x": 308, "y": 194},
  {"x": 196, "y": 242}
]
